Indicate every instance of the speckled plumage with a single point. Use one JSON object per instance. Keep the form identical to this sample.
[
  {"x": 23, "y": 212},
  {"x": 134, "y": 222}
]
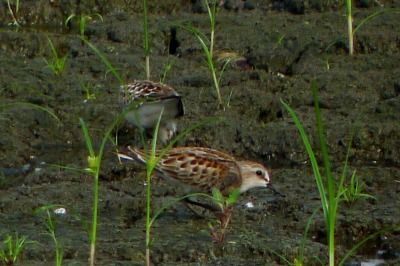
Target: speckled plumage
[
  {"x": 146, "y": 90},
  {"x": 147, "y": 99},
  {"x": 204, "y": 168}
]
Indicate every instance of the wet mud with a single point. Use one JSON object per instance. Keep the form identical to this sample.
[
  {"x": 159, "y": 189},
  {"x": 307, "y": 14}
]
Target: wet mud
[{"x": 279, "y": 48}]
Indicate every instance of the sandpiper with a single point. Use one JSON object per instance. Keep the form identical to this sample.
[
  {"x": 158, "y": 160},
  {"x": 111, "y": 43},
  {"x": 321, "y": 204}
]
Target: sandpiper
[
  {"x": 147, "y": 99},
  {"x": 200, "y": 169}
]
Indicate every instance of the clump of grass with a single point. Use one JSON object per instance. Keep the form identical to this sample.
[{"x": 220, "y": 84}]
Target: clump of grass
[
  {"x": 354, "y": 190},
  {"x": 82, "y": 21},
  {"x": 89, "y": 92},
  {"x": 12, "y": 248},
  {"x": 56, "y": 62},
  {"x": 330, "y": 193}
]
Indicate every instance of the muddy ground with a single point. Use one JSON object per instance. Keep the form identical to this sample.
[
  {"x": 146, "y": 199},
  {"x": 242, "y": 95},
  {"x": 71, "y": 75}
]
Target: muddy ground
[{"x": 282, "y": 46}]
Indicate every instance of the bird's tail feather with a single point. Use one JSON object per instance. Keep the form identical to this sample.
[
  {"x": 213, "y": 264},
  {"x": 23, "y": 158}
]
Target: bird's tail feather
[
  {"x": 138, "y": 155},
  {"x": 132, "y": 154}
]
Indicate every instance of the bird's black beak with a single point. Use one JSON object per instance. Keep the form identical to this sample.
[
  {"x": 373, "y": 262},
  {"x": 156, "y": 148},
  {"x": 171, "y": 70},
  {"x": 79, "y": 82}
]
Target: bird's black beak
[{"x": 275, "y": 191}]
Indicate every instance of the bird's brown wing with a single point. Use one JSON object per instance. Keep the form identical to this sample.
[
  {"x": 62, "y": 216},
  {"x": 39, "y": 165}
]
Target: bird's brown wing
[
  {"x": 149, "y": 92},
  {"x": 201, "y": 168},
  {"x": 144, "y": 89}
]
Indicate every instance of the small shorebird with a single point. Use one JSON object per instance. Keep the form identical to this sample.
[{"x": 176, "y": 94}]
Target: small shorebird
[
  {"x": 151, "y": 98},
  {"x": 200, "y": 169}
]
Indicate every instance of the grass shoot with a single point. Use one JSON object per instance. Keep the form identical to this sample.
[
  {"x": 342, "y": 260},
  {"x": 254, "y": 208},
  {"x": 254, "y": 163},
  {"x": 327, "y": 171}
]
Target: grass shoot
[
  {"x": 12, "y": 248},
  {"x": 299, "y": 260},
  {"x": 207, "y": 45},
  {"x": 151, "y": 163},
  {"x": 225, "y": 205},
  {"x": 354, "y": 190},
  {"x": 56, "y": 63},
  {"x": 330, "y": 193},
  {"x": 51, "y": 230},
  {"x": 94, "y": 160},
  {"x": 212, "y": 13},
  {"x": 167, "y": 67},
  {"x": 89, "y": 92}
]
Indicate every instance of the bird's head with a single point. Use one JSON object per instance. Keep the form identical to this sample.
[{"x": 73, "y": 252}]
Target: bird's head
[{"x": 253, "y": 175}]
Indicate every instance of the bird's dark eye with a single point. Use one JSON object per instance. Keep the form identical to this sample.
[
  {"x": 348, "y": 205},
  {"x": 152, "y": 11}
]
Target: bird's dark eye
[{"x": 259, "y": 172}]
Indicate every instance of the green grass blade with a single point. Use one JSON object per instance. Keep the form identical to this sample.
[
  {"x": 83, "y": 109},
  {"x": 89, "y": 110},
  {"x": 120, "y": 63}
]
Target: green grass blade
[
  {"x": 311, "y": 156},
  {"x": 152, "y": 160},
  {"x": 104, "y": 60},
  {"x": 373, "y": 16},
  {"x": 86, "y": 137},
  {"x": 307, "y": 228},
  {"x": 206, "y": 52},
  {"x": 146, "y": 45},
  {"x": 30, "y": 105},
  {"x": 340, "y": 188},
  {"x": 332, "y": 201},
  {"x": 194, "y": 31},
  {"x": 69, "y": 18},
  {"x": 226, "y": 63},
  {"x": 321, "y": 137},
  {"x": 233, "y": 197},
  {"x": 363, "y": 241},
  {"x": 155, "y": 137},
  {"x": 53, "y": 49}
]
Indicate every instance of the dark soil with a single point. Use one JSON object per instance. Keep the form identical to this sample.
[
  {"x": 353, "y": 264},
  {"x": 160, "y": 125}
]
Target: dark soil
[{"x": 281, "y": 47}]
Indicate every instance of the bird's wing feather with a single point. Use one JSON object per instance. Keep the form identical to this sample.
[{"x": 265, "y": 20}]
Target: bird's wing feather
[
  {"x": 198, "y": 167},
  {"x": 144, "y": 92},
  {"x": 144, "y": 89},
  {"x": 201, "y": 167}
]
